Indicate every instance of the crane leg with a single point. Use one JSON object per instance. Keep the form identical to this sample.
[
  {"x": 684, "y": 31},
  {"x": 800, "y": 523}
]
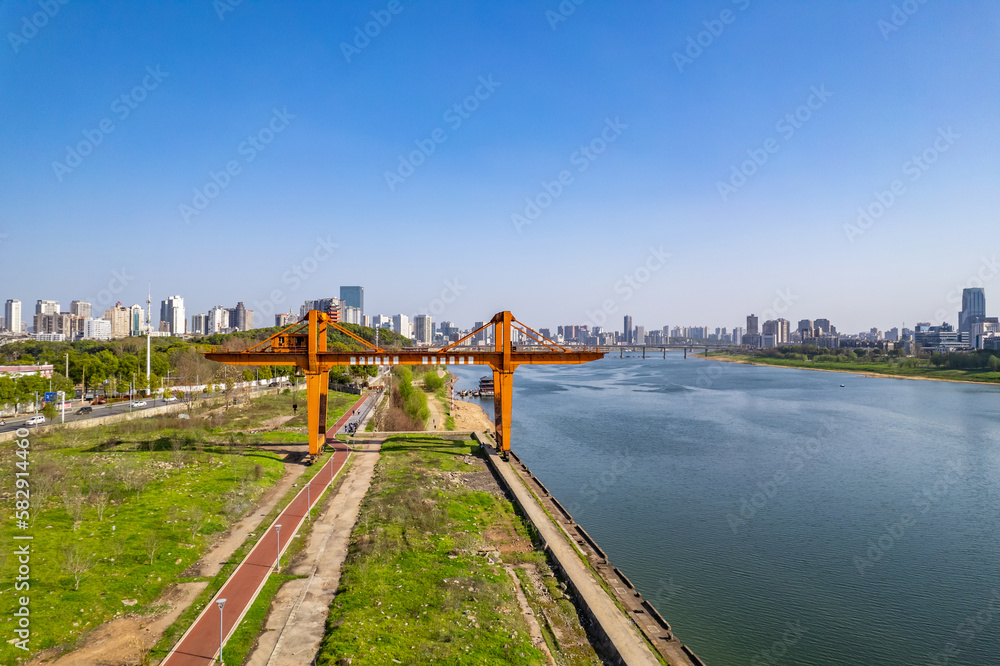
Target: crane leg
[
  {"x": 317, "y": 387},
  {"x": 503, "y": 392}
]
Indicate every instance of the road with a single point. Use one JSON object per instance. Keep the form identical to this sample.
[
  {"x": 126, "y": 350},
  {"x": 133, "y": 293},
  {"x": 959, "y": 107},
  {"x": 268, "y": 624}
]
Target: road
[{"x": 13, "y": 423}]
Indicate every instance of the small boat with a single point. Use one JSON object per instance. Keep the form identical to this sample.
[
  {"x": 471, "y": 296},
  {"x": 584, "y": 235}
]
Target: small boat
[{"x": 841, "y": 386}]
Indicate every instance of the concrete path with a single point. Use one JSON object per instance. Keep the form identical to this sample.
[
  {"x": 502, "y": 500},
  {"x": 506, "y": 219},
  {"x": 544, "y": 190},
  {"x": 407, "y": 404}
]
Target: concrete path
[
  {"x": 630, "y": 645},
  {"x": 200, "y": 644},
  {"x": 297, "y": 623}
]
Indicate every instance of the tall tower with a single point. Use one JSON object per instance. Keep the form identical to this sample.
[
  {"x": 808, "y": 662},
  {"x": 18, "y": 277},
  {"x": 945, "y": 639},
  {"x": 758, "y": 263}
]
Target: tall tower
[
  {"x": 627, "y": 325},
  {"x": 973, "y": 305},
  {"x": 149, "y": 300}
]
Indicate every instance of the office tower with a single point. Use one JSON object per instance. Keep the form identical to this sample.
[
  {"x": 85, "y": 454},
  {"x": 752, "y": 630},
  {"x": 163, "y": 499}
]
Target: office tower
[
  {"x": 354, "y": 297},
  {"x": 423, "y": 329},
  {"x": 401, "y": 324},
  {"x": 12, "y": 315},
  {"x": 824, "y": 327},
  {"x": 172, "y": 312},
  {"x": 46, "y": 307},
  {"x": 199, "y": 323},
  {"x": 973, "y": 305},
  {"x": 238, "y": 317},
  {"x": 784, "y": 330},
  {"x": 284, "y": 319},
  {"x": 482, "y": 337},
  {"x": 629, "y": 337},
  {"x": 80, "y": 309},
  {"x": 752, "y": 325},
  {"x": 640, "y": 335}
]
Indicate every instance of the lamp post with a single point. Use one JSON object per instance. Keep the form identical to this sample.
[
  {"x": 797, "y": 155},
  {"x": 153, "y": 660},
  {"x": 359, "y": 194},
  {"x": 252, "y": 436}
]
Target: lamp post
[
  {"x": 63, "y": 405},
  {"x": 221, "y": 602},
  {"x": 277, "y": 560}
]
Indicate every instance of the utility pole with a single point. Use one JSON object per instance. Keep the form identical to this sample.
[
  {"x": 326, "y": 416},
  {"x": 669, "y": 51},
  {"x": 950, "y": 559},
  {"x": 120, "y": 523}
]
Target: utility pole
[{"x": 148, "y": 331}]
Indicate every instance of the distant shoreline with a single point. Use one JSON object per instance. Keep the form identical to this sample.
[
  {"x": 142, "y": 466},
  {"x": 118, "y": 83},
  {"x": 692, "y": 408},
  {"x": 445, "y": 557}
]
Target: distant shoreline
[{"x": 864, "y": 373}]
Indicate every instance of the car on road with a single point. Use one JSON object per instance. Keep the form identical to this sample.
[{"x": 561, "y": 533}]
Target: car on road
[
  {"x": 85, "y": 410},
  {"x": 272, "y": 384},
  {"x": 172, "y": 398},
  {"x": 99, "y": 400},
  {"x": 139, "y": 403},
  {"x": 35, "y": 420}
]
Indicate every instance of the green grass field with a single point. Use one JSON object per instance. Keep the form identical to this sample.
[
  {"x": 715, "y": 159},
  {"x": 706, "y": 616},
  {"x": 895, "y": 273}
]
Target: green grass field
[
  {"x": 123, "y": 510},
  {"x": 419, "y": 584}
]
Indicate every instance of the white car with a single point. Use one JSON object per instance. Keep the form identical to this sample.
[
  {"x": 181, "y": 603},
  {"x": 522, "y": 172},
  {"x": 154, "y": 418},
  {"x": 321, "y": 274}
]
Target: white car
[
  {"x": 35, "y": 420},
  {"x": 139, "y": 403},
  {"x": 172, "y": 398}
]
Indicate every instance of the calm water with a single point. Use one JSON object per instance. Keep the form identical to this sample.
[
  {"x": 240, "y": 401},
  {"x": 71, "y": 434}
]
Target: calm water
[{"x": 774, "y": 517}]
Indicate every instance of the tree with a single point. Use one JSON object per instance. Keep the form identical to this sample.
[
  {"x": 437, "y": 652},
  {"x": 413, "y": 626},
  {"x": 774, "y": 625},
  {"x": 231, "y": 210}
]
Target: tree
[
  {"x": 151, "y": 544},
  {"x": 994, "y": 363},
  {"x": 76, "y": 562}
]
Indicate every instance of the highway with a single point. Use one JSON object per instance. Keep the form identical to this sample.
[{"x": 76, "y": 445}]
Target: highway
[{"x": 13, "y": 423}]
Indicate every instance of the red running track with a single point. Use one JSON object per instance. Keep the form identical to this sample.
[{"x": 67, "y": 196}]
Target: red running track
[{"x": 200, "y": 644}]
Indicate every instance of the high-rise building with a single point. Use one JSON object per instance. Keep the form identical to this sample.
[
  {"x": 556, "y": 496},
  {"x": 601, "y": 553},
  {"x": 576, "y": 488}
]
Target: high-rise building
[
  {"x": 354, "y": 297},
  {"x": 80, "y": 309},
  {"x": 973, "y": 305},
  {"x": 217, "y": 320},
  {"x": 483, "y": 336},
  {"x": 199, "y": 323},
  {"x": 284, "y": 319},
  {"x": 119, "y": 316},
  {"x": 172, "y": 312},
  {"x": 12, "y": 315},
  {"x": 627, "y": 330},
  {"x": 752, "y": 325},
  {"x": 238, "y": 317},
  {"x": 137, "y": 320},
  {"x": 784, "y": 330},
  {"x": 423, "y": 329},
  {"x": 824, "y": 327},
  {"x": 640, "y": 335},
  {"x": 401, "y": 324},
  {"x": 46, "y": 307}
]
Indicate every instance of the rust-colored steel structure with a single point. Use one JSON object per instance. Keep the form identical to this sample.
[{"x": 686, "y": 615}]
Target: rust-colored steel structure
[{"x": 304, "y": 344}]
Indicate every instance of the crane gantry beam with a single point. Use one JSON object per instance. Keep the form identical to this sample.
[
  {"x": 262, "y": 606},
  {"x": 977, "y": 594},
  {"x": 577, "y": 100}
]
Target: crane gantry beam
[{"x": 304, "y": 345}]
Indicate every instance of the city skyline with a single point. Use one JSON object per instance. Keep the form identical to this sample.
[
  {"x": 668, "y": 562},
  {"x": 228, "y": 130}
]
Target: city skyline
[{"x": 687, "y": 158}]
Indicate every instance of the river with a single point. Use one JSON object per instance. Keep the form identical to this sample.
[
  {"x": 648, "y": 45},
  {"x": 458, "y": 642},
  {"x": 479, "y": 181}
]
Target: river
[{"x": 774, "y": 516}]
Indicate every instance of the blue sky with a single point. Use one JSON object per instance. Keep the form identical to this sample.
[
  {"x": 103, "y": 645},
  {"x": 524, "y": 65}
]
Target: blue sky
[{"x": 325, "y": 115}]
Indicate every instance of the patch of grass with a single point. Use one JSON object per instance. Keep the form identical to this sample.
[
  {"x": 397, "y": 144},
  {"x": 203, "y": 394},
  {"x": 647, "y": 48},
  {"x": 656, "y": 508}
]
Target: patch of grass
[
  {"x": 130, "y": 506},
  {"x": 420, "y": 583}
]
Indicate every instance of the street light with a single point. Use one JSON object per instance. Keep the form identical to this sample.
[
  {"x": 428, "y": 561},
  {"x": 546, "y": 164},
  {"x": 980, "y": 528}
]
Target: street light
[
  {"x": 221, "y": 602},
  {"x": 277, "y": 560}
]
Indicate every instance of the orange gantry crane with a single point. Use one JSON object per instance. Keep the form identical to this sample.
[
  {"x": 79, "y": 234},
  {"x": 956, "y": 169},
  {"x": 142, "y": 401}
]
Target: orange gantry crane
[{"x": 304, "y": 345}]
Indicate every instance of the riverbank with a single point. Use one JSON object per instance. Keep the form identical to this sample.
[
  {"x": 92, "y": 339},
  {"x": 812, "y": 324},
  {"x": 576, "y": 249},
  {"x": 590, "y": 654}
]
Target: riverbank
[{"x": 866, "y": 371}]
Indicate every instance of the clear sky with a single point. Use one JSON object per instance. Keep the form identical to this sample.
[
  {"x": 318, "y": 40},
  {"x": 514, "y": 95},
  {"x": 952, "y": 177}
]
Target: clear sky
[{"x": 714, "y": 155}]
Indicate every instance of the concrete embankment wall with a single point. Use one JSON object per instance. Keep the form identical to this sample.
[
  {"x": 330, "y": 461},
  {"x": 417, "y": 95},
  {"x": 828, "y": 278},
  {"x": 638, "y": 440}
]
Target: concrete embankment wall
[{"x": 640, "y": 612}]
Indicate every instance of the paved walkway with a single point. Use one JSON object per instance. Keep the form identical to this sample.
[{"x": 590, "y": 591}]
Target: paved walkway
[{"x": 200, "y": 644}]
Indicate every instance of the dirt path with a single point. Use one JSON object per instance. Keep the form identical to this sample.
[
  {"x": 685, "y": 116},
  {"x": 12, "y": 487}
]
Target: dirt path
[
  {"x": 297, "y": 618},
  {"x": 127, "y": 639}
]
